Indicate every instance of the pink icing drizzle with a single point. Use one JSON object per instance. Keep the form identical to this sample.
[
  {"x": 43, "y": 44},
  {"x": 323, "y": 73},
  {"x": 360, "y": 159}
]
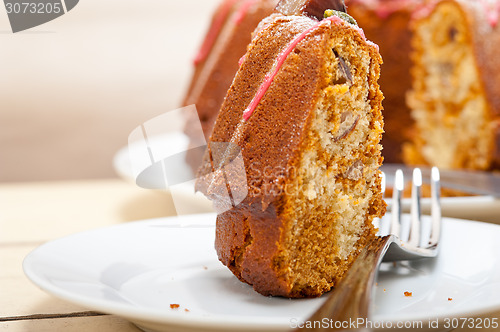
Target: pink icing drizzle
[
  {"x": 243, "y": 10},
  {"x": 214, "y": 30},
  {"x": 492, "y": 9},
  {"x": 268, "y": 79},
  {"x": 242, "y": 59}
]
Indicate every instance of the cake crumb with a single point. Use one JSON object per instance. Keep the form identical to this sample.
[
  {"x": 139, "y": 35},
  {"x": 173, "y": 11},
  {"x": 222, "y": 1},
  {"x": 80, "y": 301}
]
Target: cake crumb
[
  {"x": 450, "y": 299},
  {"x": 340, "y": 88},
  {"x": 186, "y": 310},
  {"x": 174, "y": 306},
  {"x": 408, "y": 294},
  {"x": 384, "y": 289},
  {"x": 205, "y": 268}
]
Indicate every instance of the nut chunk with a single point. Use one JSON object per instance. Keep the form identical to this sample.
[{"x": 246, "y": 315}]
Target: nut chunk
[{"x": 311, "y": 8}]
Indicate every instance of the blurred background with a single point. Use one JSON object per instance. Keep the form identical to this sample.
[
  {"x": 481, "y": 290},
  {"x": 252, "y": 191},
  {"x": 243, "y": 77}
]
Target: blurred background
[{"x": 72, "y": 89}]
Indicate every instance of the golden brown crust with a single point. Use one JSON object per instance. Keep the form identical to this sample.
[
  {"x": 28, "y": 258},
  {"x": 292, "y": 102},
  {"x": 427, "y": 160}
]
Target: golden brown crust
[
  {"x": 297, "y": 83},
  {"x": 252, "y": 238},
  {"x": 256, "y": 222},
  {"x": 213, "y": 76},
  {"x": 485, "y": 41},
  {"x": 247, "y": 242},
  {"x": 485, "y": 37}
]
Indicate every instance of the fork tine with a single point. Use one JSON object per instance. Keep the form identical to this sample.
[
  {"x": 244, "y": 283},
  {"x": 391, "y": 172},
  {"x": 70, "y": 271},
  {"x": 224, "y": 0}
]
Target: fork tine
[
  {"x": 416, "y": 209},
  {"x": 397, "y": 194},
  {"x": 435, "y": 207},
  {"x": 351, "y": 299}
]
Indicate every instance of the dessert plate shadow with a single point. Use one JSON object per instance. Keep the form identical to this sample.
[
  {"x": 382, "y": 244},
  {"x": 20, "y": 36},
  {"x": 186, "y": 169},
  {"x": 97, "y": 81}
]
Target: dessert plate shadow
[{"x": 164, "y": 275}]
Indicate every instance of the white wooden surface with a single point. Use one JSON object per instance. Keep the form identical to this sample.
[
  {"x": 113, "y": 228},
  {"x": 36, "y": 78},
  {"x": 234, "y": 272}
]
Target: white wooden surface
[
  {"x": 34, "y": 213},
  {"x": 72, "y": 89}
]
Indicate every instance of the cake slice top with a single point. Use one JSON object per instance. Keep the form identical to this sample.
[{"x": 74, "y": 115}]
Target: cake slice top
[
  {"x": 310, "y": 8},
  {"x": 278, "y": 86}
]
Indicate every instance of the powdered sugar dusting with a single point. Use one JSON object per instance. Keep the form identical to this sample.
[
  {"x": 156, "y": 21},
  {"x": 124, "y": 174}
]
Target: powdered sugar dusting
[{"x": 268, "y": 79}]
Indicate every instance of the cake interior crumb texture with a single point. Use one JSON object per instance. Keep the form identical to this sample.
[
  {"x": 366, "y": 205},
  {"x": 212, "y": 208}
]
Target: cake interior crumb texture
[
  {"x": 337, "y": 175},
  {"x": 449, "y": 107}
]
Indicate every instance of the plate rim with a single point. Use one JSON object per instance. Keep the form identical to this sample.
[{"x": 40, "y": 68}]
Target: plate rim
[
  {"x": 133, "y": 313},
  {"x": 141, "y": 314}
]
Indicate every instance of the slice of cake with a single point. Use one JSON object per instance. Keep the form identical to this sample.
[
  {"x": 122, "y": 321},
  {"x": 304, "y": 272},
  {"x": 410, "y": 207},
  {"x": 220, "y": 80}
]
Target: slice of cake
[
  {"x": 455, "y": 99},
  {"x": 217, "y": 60},
  {"x": 304, "y": 112},
  {"x": 386, "y": 23}
]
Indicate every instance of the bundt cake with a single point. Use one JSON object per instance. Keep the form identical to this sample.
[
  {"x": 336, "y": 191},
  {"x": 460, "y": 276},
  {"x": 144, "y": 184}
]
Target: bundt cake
[
  {"x": 455, "y": 95},
  {"x": 386, "y": 23},
  {"x": 217, "y": 60},
  {"x": 304, "y": 114}
]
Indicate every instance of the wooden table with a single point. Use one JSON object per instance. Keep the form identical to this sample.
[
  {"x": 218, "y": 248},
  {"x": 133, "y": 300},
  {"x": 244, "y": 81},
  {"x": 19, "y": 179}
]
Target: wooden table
[{"x": 34, "y": 213}]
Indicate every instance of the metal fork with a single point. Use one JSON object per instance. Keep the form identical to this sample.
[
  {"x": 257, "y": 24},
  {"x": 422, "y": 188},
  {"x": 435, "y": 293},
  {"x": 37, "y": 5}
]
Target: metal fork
[{"x": 400, "y": 238}]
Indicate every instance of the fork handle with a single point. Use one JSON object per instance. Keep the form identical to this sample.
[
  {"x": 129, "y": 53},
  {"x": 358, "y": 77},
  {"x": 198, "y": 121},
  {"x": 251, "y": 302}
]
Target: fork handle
[{"x": 351, "y": 299}]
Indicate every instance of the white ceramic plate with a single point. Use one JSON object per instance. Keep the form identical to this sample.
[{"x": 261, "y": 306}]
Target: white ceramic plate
[{"x": 137, "y": 270}]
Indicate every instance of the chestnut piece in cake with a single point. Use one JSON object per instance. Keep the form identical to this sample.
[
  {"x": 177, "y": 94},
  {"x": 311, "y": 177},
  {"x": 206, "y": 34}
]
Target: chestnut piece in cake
[
  {"x": 455, "y": 99},
  {"x": 305, "y": 111}
]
